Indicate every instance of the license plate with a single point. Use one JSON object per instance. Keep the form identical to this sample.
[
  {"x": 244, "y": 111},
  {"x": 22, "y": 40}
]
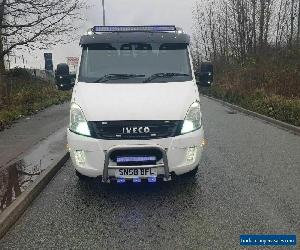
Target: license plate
[{"x": 137, "y": 172}]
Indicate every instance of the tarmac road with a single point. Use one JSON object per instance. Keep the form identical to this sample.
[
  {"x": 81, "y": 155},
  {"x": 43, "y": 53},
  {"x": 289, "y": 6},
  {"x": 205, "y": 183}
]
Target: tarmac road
[
  {"x": 29, "y": 131},
  {"x": 248, "y": 183}
]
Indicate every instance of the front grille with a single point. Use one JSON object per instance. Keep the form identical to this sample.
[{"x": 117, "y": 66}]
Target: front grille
[{"x": 134, "y": 130}]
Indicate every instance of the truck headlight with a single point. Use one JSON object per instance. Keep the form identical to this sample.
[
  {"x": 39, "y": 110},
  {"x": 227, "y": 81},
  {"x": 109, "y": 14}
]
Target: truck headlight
[
  {"x": 193, "y": 119},
  {"x": 78, "y": 123}
]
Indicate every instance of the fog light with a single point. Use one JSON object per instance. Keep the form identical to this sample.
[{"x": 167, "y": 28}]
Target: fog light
[
  {"x": 121, "y": 180},
  {"x": 191, "y": 154},
  {"x": 137, "y": 180},
  {"x": 80, "y": 157},
  {"x": 151, "y": 179}
]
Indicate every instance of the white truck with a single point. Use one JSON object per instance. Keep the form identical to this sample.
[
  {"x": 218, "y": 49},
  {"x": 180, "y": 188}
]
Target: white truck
[{"x": 135, "y": 110}]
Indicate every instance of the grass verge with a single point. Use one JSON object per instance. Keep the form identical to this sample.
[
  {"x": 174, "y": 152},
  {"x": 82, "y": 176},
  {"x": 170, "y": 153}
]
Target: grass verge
[
  {"x": 281, "y": 108},
  {"x": 28, "y": 98}
]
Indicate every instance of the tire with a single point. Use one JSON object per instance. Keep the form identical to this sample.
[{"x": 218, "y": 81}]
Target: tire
[
  {"x": 192, "y": 174},
  {"x": 81, "y": 176}
]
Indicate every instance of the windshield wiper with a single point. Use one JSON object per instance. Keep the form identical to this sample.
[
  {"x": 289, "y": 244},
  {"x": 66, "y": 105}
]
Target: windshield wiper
[
  {"x": 108, "y": 77},
  {"x": 163, "y": 75}
]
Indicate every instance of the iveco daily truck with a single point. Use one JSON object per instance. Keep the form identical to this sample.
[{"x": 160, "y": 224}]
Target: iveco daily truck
[{"x": 135, "y": 110}]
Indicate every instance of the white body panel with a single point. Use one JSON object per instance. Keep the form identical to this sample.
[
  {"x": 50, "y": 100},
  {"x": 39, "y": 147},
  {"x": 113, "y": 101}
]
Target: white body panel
[{"x": 144, "y": 101}]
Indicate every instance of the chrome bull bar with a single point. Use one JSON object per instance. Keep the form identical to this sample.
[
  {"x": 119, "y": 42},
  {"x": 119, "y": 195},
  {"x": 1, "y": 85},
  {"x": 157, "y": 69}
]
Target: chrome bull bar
[{"x": 165, "y": 164}]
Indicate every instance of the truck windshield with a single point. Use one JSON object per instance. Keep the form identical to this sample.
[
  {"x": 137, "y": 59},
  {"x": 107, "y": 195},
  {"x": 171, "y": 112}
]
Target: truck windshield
[{"x": 135, "y": 63}]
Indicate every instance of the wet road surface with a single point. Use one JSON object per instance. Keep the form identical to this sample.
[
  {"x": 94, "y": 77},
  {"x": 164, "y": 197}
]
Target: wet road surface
[
  {"x": 17, "y": 176},
  {"x": 29, "y": 131},
  {"x": 248, "y": 183}
]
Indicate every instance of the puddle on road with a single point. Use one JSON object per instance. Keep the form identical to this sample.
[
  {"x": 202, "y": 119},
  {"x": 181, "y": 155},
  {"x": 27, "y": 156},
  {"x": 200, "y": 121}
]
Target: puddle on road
[{"x": 16, "y": 177}]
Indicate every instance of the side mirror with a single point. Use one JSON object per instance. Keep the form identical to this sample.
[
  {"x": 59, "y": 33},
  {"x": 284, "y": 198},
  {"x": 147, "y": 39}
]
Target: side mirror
[
  {"x": 205, "y": 79},
  {"x": 205, "y": 74},
  {"x": 64, "y": 82},
  {"x": 63, "y": 78}
]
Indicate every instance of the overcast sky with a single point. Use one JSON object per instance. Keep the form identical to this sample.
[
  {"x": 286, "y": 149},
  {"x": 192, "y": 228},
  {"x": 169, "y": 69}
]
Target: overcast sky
[{"x": 123, "y": 12}]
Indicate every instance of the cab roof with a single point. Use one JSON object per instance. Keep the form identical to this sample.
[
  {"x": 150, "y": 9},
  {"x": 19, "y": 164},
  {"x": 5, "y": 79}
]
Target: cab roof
[{"x": 134, "y": 34}]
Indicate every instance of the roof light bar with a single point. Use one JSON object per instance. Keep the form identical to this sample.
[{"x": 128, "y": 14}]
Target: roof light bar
[{"x": 154, "y": 28}]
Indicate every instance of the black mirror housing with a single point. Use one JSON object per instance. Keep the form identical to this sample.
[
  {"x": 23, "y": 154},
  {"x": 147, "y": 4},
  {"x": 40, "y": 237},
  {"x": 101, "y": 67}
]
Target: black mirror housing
[
  {"x": 63, "y": 79},
  {"x": 205, "y": 75}
]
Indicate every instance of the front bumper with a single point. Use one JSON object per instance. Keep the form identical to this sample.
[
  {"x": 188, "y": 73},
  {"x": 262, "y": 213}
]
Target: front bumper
[{"x": 97, "y": 153}]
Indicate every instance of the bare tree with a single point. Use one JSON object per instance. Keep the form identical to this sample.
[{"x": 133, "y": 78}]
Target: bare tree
[
  {"x": 278, "y": 25},
  {"x": 254, "y": 39},
  {"x": 2, "y": 5},
  {"x": 36, "y": 23},
  {"x": 298, "y": 28},
  {"x": 292, "y": 22},
  {"x": 239, "y": 29},
  {"x": 262, "y": 22},
  {"x": 269, "y": 4}
]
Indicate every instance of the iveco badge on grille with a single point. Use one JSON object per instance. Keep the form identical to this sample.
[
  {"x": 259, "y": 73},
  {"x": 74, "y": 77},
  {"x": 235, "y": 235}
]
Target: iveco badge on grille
[{"x": 136, "y": 130}]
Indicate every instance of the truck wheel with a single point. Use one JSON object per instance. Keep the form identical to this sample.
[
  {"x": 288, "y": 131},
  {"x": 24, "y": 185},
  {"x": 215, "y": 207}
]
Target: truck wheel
[
  {"x": 81, "y": 176},
  {"x": 193, "y": 173}
]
